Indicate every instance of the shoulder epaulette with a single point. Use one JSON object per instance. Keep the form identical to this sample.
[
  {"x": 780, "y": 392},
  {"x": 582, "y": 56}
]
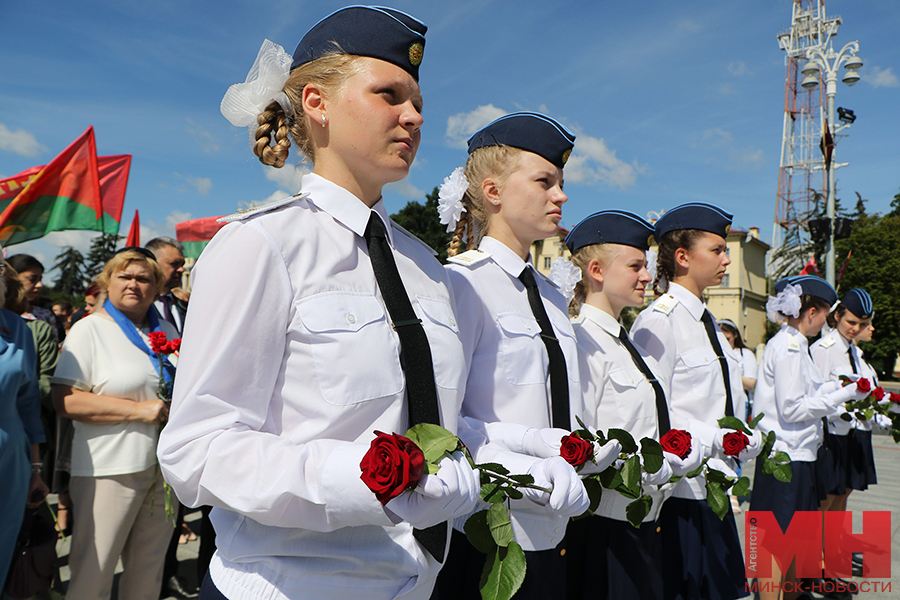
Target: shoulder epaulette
[
  {"x": 412, "y": 236},
  {"x": 665, "y": 304},
  {"x": 257, "y": 210},
  {"x": 469, "y": 258},
  {"x": 793, "y": 344},
  {"x": 827, "y": 342}
]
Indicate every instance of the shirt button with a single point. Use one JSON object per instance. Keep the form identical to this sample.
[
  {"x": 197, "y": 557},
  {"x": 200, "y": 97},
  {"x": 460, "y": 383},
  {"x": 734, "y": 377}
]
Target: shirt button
[
  {"x": 528, "y": 327},
  {"x": 452, "y": 322},
  {"x": 553, "y": 541},
  {"x": 351, "y": 318},
  {"x": 556, "y": 530}
]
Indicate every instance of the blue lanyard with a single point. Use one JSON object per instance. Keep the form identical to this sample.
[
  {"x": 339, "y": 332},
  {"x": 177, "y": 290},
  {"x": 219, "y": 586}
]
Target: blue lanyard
[{"x": 134, "y": 336}]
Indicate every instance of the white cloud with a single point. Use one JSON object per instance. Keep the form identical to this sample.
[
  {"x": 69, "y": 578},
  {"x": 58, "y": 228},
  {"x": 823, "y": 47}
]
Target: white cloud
[
  {"x": 177, "y": 216},
  {"x": 879, "y": 77},
  {"x": 207, "y": 141},
  {"x": 19, "y": 142},
  {"x": 593, "y": 161},
  {"x": 738, "y": 68},
  {"x": 405, "y": 188},
  {"x": 712, "y": 137},
  {"x": 725, "y": 152},
  {"x": 202, "y": 184},
  {"x": 287, "y": 177},
  {"x": 461, "y": 126},
  {"x": 726, "y": 89}
]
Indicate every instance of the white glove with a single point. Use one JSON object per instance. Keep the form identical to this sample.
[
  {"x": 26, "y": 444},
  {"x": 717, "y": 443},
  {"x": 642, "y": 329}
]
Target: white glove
[
  {"x": 658, "y": 478},
  {"x": 720, "y": 465},
  {"x": 568, "y": 497},
  {"x": 830, "y": 386},
  {"x": 543, "y": 443},
  {"x": 882, "y": 421},
  {"x": 683, "y": 466},
  {"x": 451, "y": 492},
  {"x": 845, "y": 394},
  {"x": 751, "y": 451},
  {"x": 603, "y": 457},
  {"x": 894, "y": 407},
  {"x": 780, "y": 446}
]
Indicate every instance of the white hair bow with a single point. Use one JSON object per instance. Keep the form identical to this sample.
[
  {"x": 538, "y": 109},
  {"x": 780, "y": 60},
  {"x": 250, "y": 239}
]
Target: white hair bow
[
  {"x": 450, "y": 206},
  {"x": 787, "y": 302},
  {"x": 243, "y": 102},
  {"x": 566, "y": 275}
]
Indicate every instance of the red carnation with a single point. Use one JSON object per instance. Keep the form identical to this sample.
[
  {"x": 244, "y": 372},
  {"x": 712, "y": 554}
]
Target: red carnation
[
  {"x": 677, "y": 442},
  {"x": 157, "y": 341},
  {"x": 895, "y": 397},
  {"x": 173, "y": 346},
  {"x": 878, "y": 393},
  {"x": 733, "y": 443},
  {"x": 576, "y": 451},
  {"x": 392, "y": 465},
  {"x": 863, "y": 385}
]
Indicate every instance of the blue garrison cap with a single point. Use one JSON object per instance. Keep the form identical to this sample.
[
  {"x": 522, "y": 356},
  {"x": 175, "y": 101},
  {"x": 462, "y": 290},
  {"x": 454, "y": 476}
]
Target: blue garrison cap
[
  {"x": 373, "y": 31},
  {"x": 611, "y": 227},
  {"x": 696, "y": 215},
  {"x": 811, "y": 285},
  {"x": 859, "y": 302},
  {"x": 529, "y": 131}
]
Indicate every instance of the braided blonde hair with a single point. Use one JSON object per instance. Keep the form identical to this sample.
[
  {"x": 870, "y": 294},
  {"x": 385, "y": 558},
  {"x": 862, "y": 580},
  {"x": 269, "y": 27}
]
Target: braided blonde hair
[
  {"x": 496, "y": 162},
  {"x": 602, "y": 253},
  {"x": 329, "y": 72}
]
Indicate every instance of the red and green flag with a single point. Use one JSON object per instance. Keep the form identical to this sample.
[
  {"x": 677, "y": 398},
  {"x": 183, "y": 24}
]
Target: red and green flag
[
  {"x": 113, "y": 182},
  {"x": 196, "y": 234},
  {"x": 63, "y": 195}
]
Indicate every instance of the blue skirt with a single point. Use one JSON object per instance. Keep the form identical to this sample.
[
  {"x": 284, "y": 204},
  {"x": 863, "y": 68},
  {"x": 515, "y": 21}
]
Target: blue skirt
[
  {"x": 860, "y": 460},
  {"x": 702, "y": 554},
  {"x": 831, "y": 466},
  {"x": 784, "y": 499},
  {"x": 610, "y": 559}
]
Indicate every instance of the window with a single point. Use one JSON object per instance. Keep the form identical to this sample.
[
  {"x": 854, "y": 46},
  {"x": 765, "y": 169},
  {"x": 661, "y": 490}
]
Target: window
[
  {"x": 546, "y": 262},
  {"x": 725, "y": 279}
]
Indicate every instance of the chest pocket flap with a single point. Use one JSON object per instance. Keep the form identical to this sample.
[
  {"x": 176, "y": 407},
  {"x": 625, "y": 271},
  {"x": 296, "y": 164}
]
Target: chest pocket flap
[
  {"x": 339, "y": 312},
  {"x": 514, "y": 324}
]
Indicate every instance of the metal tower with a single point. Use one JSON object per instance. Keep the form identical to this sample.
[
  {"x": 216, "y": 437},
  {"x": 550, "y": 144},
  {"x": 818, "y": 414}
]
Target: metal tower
[{"x": 801, "y": 177}]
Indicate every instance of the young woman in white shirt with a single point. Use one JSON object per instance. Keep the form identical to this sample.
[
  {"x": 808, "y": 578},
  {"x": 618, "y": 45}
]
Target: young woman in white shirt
[
  {"x": 703, "y": 553},
  {"x": 518, "y": 342},
  {"x": 794, "y": 398}
]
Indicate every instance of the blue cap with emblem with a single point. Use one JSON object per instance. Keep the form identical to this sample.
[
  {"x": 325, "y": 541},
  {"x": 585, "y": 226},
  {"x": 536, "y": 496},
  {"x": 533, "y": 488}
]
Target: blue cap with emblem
[
  {"x": 529, "y": 131},
  {"x": 374, "y": 31},
  {"x": 611, "y": 227},
  {"x": 811, "y": 286},
  {"x": 695, "y": 215},
  {"x": 859, "y": 302}
]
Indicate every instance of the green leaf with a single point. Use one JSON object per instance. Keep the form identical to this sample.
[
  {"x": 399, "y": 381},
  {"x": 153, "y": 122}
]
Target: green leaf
[
  {"x": 637, "y": 510},
  {"x": 624, "y": 438},
  {"x": 846, "y": 417},
  {"x": 699, "y": 469},
  {"x": 581, "y": 423},
  {"x": 755, "y": 420},
  {"x": 493, "y": 492},
  {"x": 769, "y": 466},
  {"x": 503, "y": 574},
  {"x": 768, "y": 444},
  {"x": 493, "y": 468},
  {"x": 500, "y": 525},
  {"x": 733, "y": 423},
  {"x": 631, "y": 478},
  {"x": 610, "y": 478},
  {"x": 431, "y": 468},
  {"x": 781, "y": 457},
  {"x": 527, "y": 479},
  {"x": 652, "y": 453},
  {"x": 717, "y": 499},
  {"x": 741, "y": 487},
  {"x": 479, "y": 534},
  {"x": 783, "y": 473},
  {"x": 716, "y": 476},
  {"x": 514, "y": 493},
  {"x": 434, "y": 440}
]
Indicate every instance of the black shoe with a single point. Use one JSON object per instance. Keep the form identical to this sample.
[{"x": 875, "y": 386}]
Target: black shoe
[
  {"x": 179, "y": 587},
  {"x": 857, "y": 564}
]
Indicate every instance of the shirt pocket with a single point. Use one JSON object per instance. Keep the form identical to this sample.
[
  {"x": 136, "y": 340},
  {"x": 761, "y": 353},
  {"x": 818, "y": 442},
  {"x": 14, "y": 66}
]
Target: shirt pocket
[
  {"x": 629, "y": 387},
  {"x": 704, "y": 371},
  {"x": 355, "y": 354},
  {"x": 442, "y": 331},
  {"x": 522, "y": 349}
]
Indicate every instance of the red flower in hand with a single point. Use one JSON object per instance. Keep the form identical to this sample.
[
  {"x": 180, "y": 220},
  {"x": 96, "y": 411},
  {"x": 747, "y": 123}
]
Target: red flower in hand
[
  {"x": 172, "y": 347},
  {"x": 895, "y": 397},
  {"x": 677, "y": 442},
  {"x": 734, "y": 443},
  {"x": 157, "y": 341},
  {"x": 878, "y": 393},
  {"x": 576, "y": 451},
  {"x": 863, "y": 385},
  {"x": 392, "y": 465}
]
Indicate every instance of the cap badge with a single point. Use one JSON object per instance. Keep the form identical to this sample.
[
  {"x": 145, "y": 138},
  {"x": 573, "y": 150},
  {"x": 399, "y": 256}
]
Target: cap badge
[
  {"x": 727, "y": 228},
  {"x": 415, "y": 54},
  {"x": 565, "y": 155},
  {"x": 650, "y": 240}
]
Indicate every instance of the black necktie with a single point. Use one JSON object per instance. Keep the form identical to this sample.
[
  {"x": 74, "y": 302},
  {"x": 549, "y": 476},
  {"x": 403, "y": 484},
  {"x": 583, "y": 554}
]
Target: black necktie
[
  {"x": 662, "y": 409},
  {"x": 415, "y": 355},
  {"x": 852, "y": 359},
  {"x": 717, "y": 348},
  {"x": 559, "y": 379}
]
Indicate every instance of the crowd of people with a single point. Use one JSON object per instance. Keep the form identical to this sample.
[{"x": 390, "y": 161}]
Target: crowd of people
[{"x": 346, "y": 326}]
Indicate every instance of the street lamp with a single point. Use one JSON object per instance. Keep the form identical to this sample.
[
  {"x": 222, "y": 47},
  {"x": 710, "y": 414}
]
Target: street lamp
[{"x": 828, "y": 62}]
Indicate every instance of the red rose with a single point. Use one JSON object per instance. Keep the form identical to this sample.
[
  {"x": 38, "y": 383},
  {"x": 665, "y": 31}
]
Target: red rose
[
  {"x": 677, "y": 442},
  {"x": 863, "y": 385},
  {"x": 734, "y": 443},
  {"x": 878, "y": 393},
  {"x": 158, "y": 341},
  {"x": 895, "y": 397},
  {"x": 392, "y": 465},
  {"x": 575, "y": 450}
]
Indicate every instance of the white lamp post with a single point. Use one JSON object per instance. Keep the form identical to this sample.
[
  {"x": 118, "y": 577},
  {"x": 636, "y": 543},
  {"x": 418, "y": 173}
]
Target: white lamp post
[{"x": 828, "y": 62}]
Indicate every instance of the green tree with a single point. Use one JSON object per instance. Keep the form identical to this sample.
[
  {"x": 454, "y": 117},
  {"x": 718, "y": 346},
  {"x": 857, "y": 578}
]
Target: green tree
[
  {"x": 102, "y": 249},
  {"x": 895, "y": 207},
  {"x": 70, "y": 265},
  {"x": 422, "y": 220}
]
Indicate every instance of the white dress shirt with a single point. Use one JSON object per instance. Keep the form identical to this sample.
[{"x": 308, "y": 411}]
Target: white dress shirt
[
  {"x": 670, "y": 330},
  {"x": 865, "y": 370},
  {"x": 160, "y": 307},
  {"x": 790, "y": 391},
  {"x": 831, "y": 355},
  {"x": 288, "y": 365},
  {"x": 507, "y": 361},
  {"x": 616, "y": 394}
]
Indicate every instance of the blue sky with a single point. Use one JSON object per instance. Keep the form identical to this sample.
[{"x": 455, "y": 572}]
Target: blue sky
[{"x": 672, "y": 102}]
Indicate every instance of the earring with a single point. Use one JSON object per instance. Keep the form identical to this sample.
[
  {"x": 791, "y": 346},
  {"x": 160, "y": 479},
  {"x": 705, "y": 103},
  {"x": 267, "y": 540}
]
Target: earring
[
  {"x": 496, "y": 202},
  {"x": 324, "y": 119}
]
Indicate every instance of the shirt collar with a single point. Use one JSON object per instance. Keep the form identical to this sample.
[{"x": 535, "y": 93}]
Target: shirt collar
[
  {"x": 601, "y": 318},
  {"x": 695, "y": 305},
  {"x": 840, "y": 339},
  {"x": 800, "y": 337},
  {"x": 503, "y": 255},
  {"x": 345, "y": 207}
]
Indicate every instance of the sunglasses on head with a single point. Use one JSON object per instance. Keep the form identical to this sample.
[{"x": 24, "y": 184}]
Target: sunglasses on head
[{"x": 137, "y": 249}]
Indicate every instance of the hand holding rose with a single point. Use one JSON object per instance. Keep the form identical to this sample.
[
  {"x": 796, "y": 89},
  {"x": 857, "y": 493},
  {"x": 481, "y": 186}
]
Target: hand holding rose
[
  {"x": 568, "y": 497},
  {"x": 682, "y": 452}
]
